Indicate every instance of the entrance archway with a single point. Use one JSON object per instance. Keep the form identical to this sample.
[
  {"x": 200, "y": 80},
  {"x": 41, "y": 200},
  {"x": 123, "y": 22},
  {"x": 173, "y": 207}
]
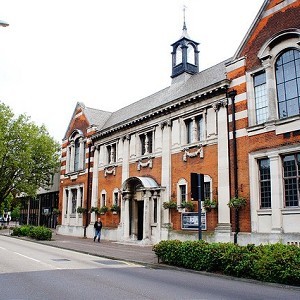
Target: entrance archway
[{"x": 139, "y": 201}]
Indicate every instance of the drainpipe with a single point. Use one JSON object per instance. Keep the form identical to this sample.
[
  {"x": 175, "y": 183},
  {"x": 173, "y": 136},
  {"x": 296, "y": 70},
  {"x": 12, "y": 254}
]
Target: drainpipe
[
  {"x": 88, "y": 193},
  {"x": 231, "y": 95}
]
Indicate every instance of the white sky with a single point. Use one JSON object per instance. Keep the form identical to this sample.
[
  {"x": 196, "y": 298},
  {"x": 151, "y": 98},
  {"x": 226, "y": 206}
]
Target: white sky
[{"x": 106, "y": 54}]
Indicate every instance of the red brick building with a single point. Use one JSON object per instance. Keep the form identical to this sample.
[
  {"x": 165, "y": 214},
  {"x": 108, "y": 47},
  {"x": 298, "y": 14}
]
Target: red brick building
[{"x": 236, "y": 122}]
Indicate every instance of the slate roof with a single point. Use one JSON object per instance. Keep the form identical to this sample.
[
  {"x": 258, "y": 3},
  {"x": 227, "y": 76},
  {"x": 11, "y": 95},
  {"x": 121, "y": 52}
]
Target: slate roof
[
  {"x": 203, "y": 80},
  {"x": 97, "y": 117},
  {"x": 197, "y": 82},
  {"x": 94, "y": 116}
]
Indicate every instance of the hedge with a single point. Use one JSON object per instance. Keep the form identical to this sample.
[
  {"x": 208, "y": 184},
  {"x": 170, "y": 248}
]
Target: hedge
[
  {"x": 275, "y": 263},
  {"x": 35, "y": 232}
]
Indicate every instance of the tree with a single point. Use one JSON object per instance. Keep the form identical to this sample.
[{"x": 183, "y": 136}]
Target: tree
[{"x": 29, "y": 157}]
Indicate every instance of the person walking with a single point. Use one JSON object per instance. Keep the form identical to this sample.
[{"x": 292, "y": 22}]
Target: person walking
[{"x": 98, "y": 227}]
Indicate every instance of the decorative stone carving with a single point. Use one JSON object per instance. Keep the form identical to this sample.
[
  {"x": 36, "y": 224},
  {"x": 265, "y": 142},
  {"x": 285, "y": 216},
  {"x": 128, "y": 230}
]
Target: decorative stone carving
[
  {"x": 144, "y": 164},
  {"x": 221, "y": 103},
  {"x": 126, "y": 137},
  {"x": 165, "y": 123},
  {"x": 196, "y": 153},
  {"x": 112, "y": 171}
]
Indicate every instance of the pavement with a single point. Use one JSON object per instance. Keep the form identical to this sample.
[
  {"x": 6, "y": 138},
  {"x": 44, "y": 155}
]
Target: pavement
[{"x": 130, "y": 252}]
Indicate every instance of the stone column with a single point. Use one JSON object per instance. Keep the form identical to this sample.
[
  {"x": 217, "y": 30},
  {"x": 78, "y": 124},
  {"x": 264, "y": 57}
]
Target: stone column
[
  {"x": 68, "y": 154},
  {"x": 166, "y": 167},
  {"x": 276, "y": 193},
  {"x": 94, "y": 200},
  {"x": 126, "y": 154},
  {"x": 81, "y": 164},
  {"x": 78, "y": 204},
  {"x": 271, "y": 92},
  {"x": 146, "y": 227},
  {"x": 125, "y": 217},
  {"x": 69, "y": 206},
  {"x": 223, "y": 230}
]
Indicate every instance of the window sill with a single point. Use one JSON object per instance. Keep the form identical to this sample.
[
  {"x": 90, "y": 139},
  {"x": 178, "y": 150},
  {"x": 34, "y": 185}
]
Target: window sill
[
  {"x": 278, "y": 125},
  {"x": 198, "y": 144},
  {"x": 291, "y": 211},
  {"x": 264, "y": 211},
  {"x": 143, "y": 157},
  {"x": 74, "y": 174}
]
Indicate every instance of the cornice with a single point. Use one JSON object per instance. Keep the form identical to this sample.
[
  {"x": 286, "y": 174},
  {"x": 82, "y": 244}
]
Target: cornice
[{"x": 163, "y": 110}]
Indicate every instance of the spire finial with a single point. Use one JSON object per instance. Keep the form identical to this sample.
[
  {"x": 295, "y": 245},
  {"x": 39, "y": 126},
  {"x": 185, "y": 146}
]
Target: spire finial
[{"x": 184, "y": 25}]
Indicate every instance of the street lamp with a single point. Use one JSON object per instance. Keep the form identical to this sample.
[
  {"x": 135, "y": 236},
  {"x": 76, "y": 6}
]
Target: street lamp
[{"x": 3, "y": 24}]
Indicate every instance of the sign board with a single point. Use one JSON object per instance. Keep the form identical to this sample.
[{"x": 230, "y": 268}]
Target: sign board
[
  {"x": 189, "y": 220},
  {"x": 46, "y": 211}
]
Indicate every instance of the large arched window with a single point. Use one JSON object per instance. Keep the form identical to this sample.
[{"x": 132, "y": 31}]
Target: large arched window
[
  {"x": 75, "y": 152},
  {"x": 288, "y": 83}
]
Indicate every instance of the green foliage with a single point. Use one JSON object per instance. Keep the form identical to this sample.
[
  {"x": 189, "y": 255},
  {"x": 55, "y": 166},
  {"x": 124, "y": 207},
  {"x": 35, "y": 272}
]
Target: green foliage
[
  {"x": 188, "y": 205},
  {"x": 94, "y": 209},
  {"x": 104, "y": 209},
  {"x": 237, "y": 203},
  {"x": 209, "y": 204},
  {"x": 80, "y": 210},
  {"x": 276, "y": 263},
  {"x": 169, "y": 205},
  {"x": 56, "y": 211},
  {"x": 15, "y": 214},
  {"x": 22, "y": 230},
  {"x": 29, "y": 156},
  {"x": 115, "y": 208},
  {"x": 35, "y": 232}
]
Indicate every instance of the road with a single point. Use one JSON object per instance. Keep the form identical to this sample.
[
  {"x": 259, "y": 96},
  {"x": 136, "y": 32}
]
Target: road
[{"x": 34, "y": 271}]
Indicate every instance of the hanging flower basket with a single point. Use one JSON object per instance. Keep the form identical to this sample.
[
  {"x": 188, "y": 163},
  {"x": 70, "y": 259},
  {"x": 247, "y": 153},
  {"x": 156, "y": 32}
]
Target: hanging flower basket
[
  {"x": 209, "y": 204},
  {"x": 103, "y": 210},
  {"x": 170, "y": 205},
  {"x": 115, "y": 208},
  {"x": 237, "y": 202},
  {"x": 94, "y": 209},
  {"x": 189, "y": 205},
  {"x": 80, "y": 210}
]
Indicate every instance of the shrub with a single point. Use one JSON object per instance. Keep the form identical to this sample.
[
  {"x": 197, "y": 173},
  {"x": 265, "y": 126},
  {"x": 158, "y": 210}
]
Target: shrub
[
  {"x": 22, "y": 230},
  {"x": 35, "y": 232},
  {"x": 276, "y": 263}
]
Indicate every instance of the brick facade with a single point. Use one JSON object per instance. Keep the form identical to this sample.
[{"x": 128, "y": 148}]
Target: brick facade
[{"x": 203, "y": 123}]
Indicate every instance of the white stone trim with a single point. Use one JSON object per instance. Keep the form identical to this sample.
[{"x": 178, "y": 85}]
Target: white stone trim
[
  {"x": 239, "y": 115},
  {"x": 278, "y": 7},
  {"x": 236, "y": 65},
  {"x": 238, "y": 81}
]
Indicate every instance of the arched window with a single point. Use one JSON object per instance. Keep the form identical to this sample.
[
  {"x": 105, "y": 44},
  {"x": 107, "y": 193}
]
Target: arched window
[
  {"x": 287, "y": 68},
  {"x": 76, "y": 155},
  {"x": 178, "y": 56},
  {"x": 191, "y": 54},
  {"x": 75, "y": 152}
]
